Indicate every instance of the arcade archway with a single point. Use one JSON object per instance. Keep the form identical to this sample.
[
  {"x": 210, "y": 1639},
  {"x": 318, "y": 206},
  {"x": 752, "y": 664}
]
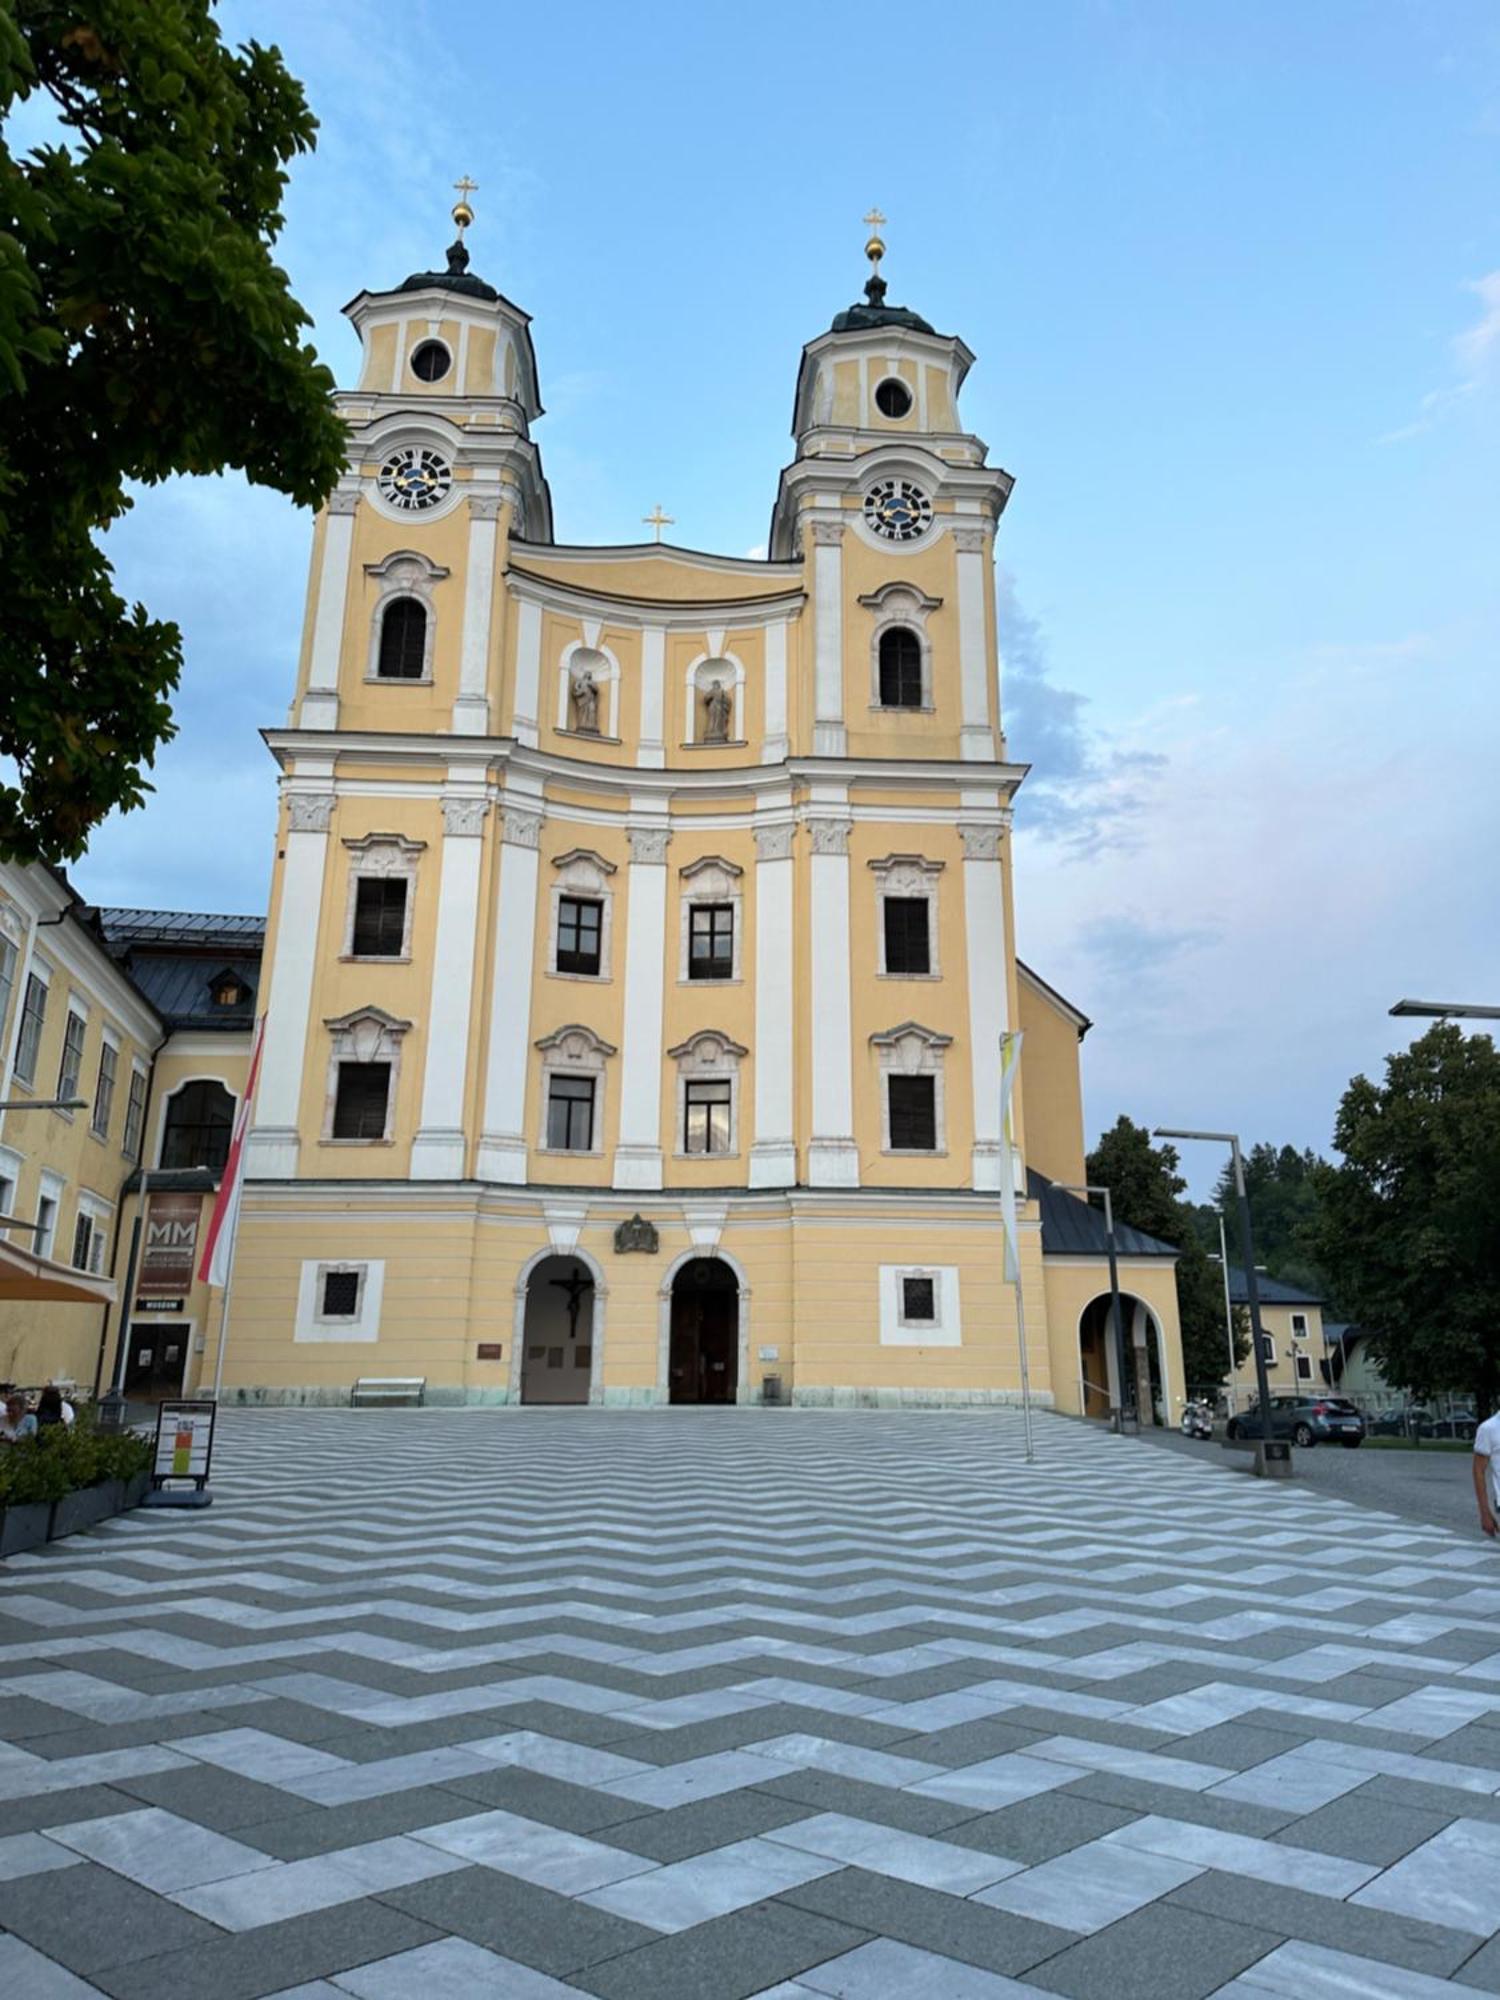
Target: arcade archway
[
  {"x": 1098, "y": 1366},
  {"x": 703, "y": 1349},
  {"x": 557, "y": 1334}
]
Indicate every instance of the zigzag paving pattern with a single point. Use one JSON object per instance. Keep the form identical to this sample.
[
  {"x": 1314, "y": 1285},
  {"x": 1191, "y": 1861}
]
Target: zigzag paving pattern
[{"x": 440, "y": 1705}]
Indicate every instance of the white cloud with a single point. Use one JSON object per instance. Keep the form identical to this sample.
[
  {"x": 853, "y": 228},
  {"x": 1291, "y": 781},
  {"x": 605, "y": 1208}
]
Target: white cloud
[{"x": 1476, "y": 358}]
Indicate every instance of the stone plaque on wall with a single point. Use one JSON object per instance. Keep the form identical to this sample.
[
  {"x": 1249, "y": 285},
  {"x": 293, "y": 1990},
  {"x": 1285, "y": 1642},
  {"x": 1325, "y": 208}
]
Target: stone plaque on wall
[{"x": 637, "y": 1234}]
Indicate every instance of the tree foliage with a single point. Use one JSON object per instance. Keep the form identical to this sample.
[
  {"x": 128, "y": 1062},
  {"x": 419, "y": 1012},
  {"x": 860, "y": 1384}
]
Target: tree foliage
[
  {"x": 1282, "y": 1184},
  {"x": 1146, "y": 1190},
  {"x": 1408, "y": 1227},
  {"x": 144, "y": 331}
]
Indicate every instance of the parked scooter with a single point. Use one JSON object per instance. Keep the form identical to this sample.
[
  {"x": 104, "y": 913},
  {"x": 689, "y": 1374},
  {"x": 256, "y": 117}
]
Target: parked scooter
[{"x": 1198, "y": 1420}]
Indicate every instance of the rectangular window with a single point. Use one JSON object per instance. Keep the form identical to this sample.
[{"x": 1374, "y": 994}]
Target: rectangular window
[
  {"x": 340, "y": 1294},
  {"x": 104, "y": 1089},
  {"x": 918, "y": 1299},
  {"x": 46, "y": 1215},
  {"x": 706, "y": 1117},
  {"x": 913, "y": 1111},
  {"x": 1299, "y": 1326},
  {"x": 711, "y": 941},
  {"x": 1268, "y": 1347},
  {"x": 8, "y": 957},
  {"x": 33, "y": 1015},
  {"x": 135, "y": 1115},
  {"x": 570, "y": 1114},
  {"x": 907, "y": 948},
  {"x": 71, "y": 1067},
  {"x": 83, "y": 1241},
  {"x": 379, "y": 916},
  {"x": 1304, "y": 1367},
  {"x": 359, "y": 1110},
  {"x": 580, "y": 923},
  {"x": 7, "y": 1195}
]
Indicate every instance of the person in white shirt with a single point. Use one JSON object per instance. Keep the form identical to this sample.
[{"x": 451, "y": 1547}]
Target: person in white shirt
[{"x": 1487, "y": 1474}]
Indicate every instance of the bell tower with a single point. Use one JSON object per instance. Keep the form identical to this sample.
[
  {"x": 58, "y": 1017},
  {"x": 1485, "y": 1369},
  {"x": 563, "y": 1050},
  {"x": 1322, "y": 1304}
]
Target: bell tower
[{"x": 892, "y": 507}]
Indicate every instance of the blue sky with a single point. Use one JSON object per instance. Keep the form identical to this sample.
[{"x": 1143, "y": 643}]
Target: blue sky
[{"x": 1233, "y": 279}]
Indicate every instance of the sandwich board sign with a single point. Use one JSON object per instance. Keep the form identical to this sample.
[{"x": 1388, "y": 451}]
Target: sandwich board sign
[{"x": 184, "y": 1442}]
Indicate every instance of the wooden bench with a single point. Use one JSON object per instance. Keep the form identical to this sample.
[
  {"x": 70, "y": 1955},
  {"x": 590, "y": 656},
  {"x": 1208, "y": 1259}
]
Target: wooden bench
[{"x": 380, "y": 1389}]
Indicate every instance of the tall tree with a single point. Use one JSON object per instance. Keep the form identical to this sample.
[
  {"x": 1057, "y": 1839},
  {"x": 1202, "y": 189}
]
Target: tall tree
[
  {"x": 1408, "y": 1226},
  {"x": 144, "y": 331},
  {"x": 1146, "y": 1188},
  {"x": 1282, "y": 1184}
]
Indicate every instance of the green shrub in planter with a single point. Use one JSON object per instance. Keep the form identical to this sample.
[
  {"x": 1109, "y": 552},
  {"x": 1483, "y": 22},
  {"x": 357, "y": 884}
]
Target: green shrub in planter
[{"x": 31, "y": 1472}]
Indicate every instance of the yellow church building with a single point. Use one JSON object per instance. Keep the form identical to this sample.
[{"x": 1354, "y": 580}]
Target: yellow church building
[{"x": 641, "y": 945}]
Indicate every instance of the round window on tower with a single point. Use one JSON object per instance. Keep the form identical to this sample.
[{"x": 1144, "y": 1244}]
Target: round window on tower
[
  {"x": 431, "y": 361},
  {"x": 893, "y": 398}
]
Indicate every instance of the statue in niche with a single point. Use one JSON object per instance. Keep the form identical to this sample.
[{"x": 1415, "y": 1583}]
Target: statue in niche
[
  {"x": 585, "y": 703},
  {"x": 717, "y": 710}
]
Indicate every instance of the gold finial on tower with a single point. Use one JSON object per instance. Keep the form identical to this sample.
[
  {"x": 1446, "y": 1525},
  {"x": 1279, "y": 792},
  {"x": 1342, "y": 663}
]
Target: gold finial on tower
[
  {"x": 875, "y": 248},
  {"x": 463, "y": 215}
]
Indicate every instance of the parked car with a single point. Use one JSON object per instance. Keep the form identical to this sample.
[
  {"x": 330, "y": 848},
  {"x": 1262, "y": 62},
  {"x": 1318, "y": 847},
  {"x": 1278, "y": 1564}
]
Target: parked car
[{"x": 1305, "y": 1420}]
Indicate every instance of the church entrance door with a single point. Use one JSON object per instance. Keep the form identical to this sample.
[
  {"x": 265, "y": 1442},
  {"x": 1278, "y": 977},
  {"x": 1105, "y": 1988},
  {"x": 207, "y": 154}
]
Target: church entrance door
[
  {"x": 703, "y": 1360},
  {"x": 557, "y": 1363}
]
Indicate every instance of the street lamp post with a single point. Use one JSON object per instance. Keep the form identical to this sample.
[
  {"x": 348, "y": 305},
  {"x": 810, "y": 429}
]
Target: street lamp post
[
  {"x": 1269, "y": 1463},
  {"x": 1228, "y": 1306},
  {"x": 1444, "y": 1010},
  {"x": 1127, "y": 1410}
]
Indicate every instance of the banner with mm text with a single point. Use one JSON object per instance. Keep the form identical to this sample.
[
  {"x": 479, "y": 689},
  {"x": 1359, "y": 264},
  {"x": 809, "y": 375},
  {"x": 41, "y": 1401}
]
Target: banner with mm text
[{"x": 218, "y": 1242}]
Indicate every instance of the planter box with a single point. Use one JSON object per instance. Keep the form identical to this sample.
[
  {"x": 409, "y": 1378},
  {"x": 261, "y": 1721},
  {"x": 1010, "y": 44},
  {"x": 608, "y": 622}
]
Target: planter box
[
  {"x": 84, "y": 1507},
  {"x": 25, "y": 1527},
  {"x": 135, "y": 1491}
]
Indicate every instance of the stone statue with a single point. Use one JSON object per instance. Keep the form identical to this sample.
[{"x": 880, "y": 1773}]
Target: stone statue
[
  {"x": 718, "y": 707},
  {"x": 585, "y": 704}
]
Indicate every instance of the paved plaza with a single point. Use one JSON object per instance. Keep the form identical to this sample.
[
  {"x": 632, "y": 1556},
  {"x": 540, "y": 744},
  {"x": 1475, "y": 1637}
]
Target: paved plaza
[{"x": 697, "y": 1705}]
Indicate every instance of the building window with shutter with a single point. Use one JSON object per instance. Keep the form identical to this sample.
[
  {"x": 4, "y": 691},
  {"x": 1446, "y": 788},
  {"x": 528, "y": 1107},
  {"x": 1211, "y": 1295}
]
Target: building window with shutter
[
  {"x": 913, "y": 1114},
  {"x": 71, "y": 1067},
  {"x": 33, "y": 1018},
  {"x": 341, "y": 1291},
  {"x": 403, "y": 641},
  {"x": 379, "y": 916},
  {"x": 104, "y": 1089},
  {"x": 900, "y": 668},
  {"x": 907, "y": 946},
  {"x": 361, "y": 1106},
  {"x": 135, "y": 1115},
  {"x": 918, "y": 1300},
  {"x": 83, "y": 1241},
  {"x": 580, "y": 930},
  {"x": 911, "y": 1061}
]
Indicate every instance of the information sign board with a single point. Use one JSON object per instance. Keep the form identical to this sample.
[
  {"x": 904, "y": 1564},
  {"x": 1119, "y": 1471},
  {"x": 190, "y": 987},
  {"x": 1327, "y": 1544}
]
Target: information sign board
[{"x": 184, "y": 1442}]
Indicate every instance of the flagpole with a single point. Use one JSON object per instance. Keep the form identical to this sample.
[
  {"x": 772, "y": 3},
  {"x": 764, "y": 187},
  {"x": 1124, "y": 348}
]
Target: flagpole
[
  {"x": 1010, "y": 1058},
  {"x": 1025, "y": 1366},
  {"x": 234, "y": 1237}
]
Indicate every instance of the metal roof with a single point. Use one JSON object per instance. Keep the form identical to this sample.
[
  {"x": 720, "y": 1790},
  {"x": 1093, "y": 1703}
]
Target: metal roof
[
  {"x": 186, "y": 927},
  {"x": 1272, "y": 1291},
  {"x": 1073, "y": 1227}
]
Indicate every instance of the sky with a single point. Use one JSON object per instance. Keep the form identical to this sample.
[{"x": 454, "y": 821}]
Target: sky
[{"x": 1232, "y": 276}]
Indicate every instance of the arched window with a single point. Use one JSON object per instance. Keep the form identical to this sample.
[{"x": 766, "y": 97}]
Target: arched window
[
  {"x": 900, "y": 668},
  {"x": 196, "y": 1133},
  {"x": 403, "y": 640}
]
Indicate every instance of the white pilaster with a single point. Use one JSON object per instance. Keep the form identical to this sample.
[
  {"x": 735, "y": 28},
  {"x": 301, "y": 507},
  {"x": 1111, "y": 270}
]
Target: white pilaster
[
  {"x": 773, "y": 1154},
  {"x": 830, "y": 738},
  {"x": 287, "y": 994},
  {"x": 471, "y": 711},
  {"x": 976, "y": 740},
  {"x": 984, "y": 932},
  {"x": 832, "y": 1156},
  {"x": 437, "y": 1152},
  {"x": 638, "y": 1148},
  {"x": 320, "y": 704},
  {"x": 502, "y": 1145},
  {"x": 528, "y": 670},
  {"x": 776, "y": 743},
  {"x": 652, "y": 753}
]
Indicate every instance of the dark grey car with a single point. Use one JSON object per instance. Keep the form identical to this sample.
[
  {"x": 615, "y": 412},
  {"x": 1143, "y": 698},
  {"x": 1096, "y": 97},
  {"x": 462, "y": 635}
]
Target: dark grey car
[{"x": 1305, "y": 1420}]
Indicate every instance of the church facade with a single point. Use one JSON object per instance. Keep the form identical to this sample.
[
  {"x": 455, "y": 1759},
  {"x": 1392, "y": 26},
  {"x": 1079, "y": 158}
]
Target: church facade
[{"x": 641, "y": 943}]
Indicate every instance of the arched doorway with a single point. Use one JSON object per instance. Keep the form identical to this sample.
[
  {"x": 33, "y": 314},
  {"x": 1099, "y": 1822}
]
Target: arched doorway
[
  {"x": 1098, "y": 1365},
  {"x": 557, "y": 1344},
  {"x": 703, "y": 1353}
]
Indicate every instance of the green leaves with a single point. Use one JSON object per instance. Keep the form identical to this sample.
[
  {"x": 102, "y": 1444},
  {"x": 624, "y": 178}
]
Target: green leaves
[{"x": 145, "y": 331}]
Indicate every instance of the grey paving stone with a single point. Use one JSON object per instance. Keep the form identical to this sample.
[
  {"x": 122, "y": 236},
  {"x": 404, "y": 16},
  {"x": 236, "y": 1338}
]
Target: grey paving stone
[
  {"x": 1476, "y": 1743},
  {"x": 1366, "y": 1827},
  {"x": 930, "y": 1920},
  {"x": 569, "y": 1725},
  {"x": 1432, "y": 1798},
  {"x": 1482, "y": 1971},
  {"x": 368, "y": 1744},
  {"x": 311, "y": 1830},
  {"x": 972, "y": 1742},
  {"x": 730, "y": 1958},
  {"x": 102, "y": 1921},
  {"x": 704, "y": 1825},
  {"x": 25, "y": 1972},
  {"x": 535, "y": 1795},
  {"x": 1399, "y": 1940},
  {"x": 253, "y": 1963},
  {"x": 30, "y": 1814},
  {"x": 1241, "y": 1744},
  {"x": 1037, "y": 1829},
  {"x": 554, "y": 1933},
  {"x": 219, "y": 1799},
  {"x": 1161, "y": 1953},
  {"x": 830, "y": 1791},
  {"x": 1205, "y": 1808},
  {"x": 92, "y": 1739}
]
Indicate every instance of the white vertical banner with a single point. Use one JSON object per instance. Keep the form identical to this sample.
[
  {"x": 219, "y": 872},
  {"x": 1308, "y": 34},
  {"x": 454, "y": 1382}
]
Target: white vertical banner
[{"x": 1010, "y": 1062}]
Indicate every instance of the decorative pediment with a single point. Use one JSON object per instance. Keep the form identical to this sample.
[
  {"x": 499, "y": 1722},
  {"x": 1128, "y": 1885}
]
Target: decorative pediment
[
  {"x": 711, "y": 872},
  {"x": 578, "y": 1045},
  {"x": 708, "y": 1049},
  {"x": 911, "y": 1046},
  {"x": 907, "y": 874},
  {"x": 582, "y": 868},
  {"x": 405, "y": 569},
  {"x": 385, "y": 853},
  {"x": 900, "y": 600},
  {"x": 367, "y": 1034}
]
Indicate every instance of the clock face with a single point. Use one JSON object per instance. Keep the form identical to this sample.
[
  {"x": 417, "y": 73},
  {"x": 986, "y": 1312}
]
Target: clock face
[
  {"x": 414, "y": 477},
  {"x": 897, "y": 510}
]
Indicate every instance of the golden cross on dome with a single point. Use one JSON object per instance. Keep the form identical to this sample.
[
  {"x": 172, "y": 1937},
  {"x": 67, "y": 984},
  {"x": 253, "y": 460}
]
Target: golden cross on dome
[
  {"x": 463, "y": 214},
  {"x": 658, "y": 520},
  {"x": 875, "y": 248}
]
